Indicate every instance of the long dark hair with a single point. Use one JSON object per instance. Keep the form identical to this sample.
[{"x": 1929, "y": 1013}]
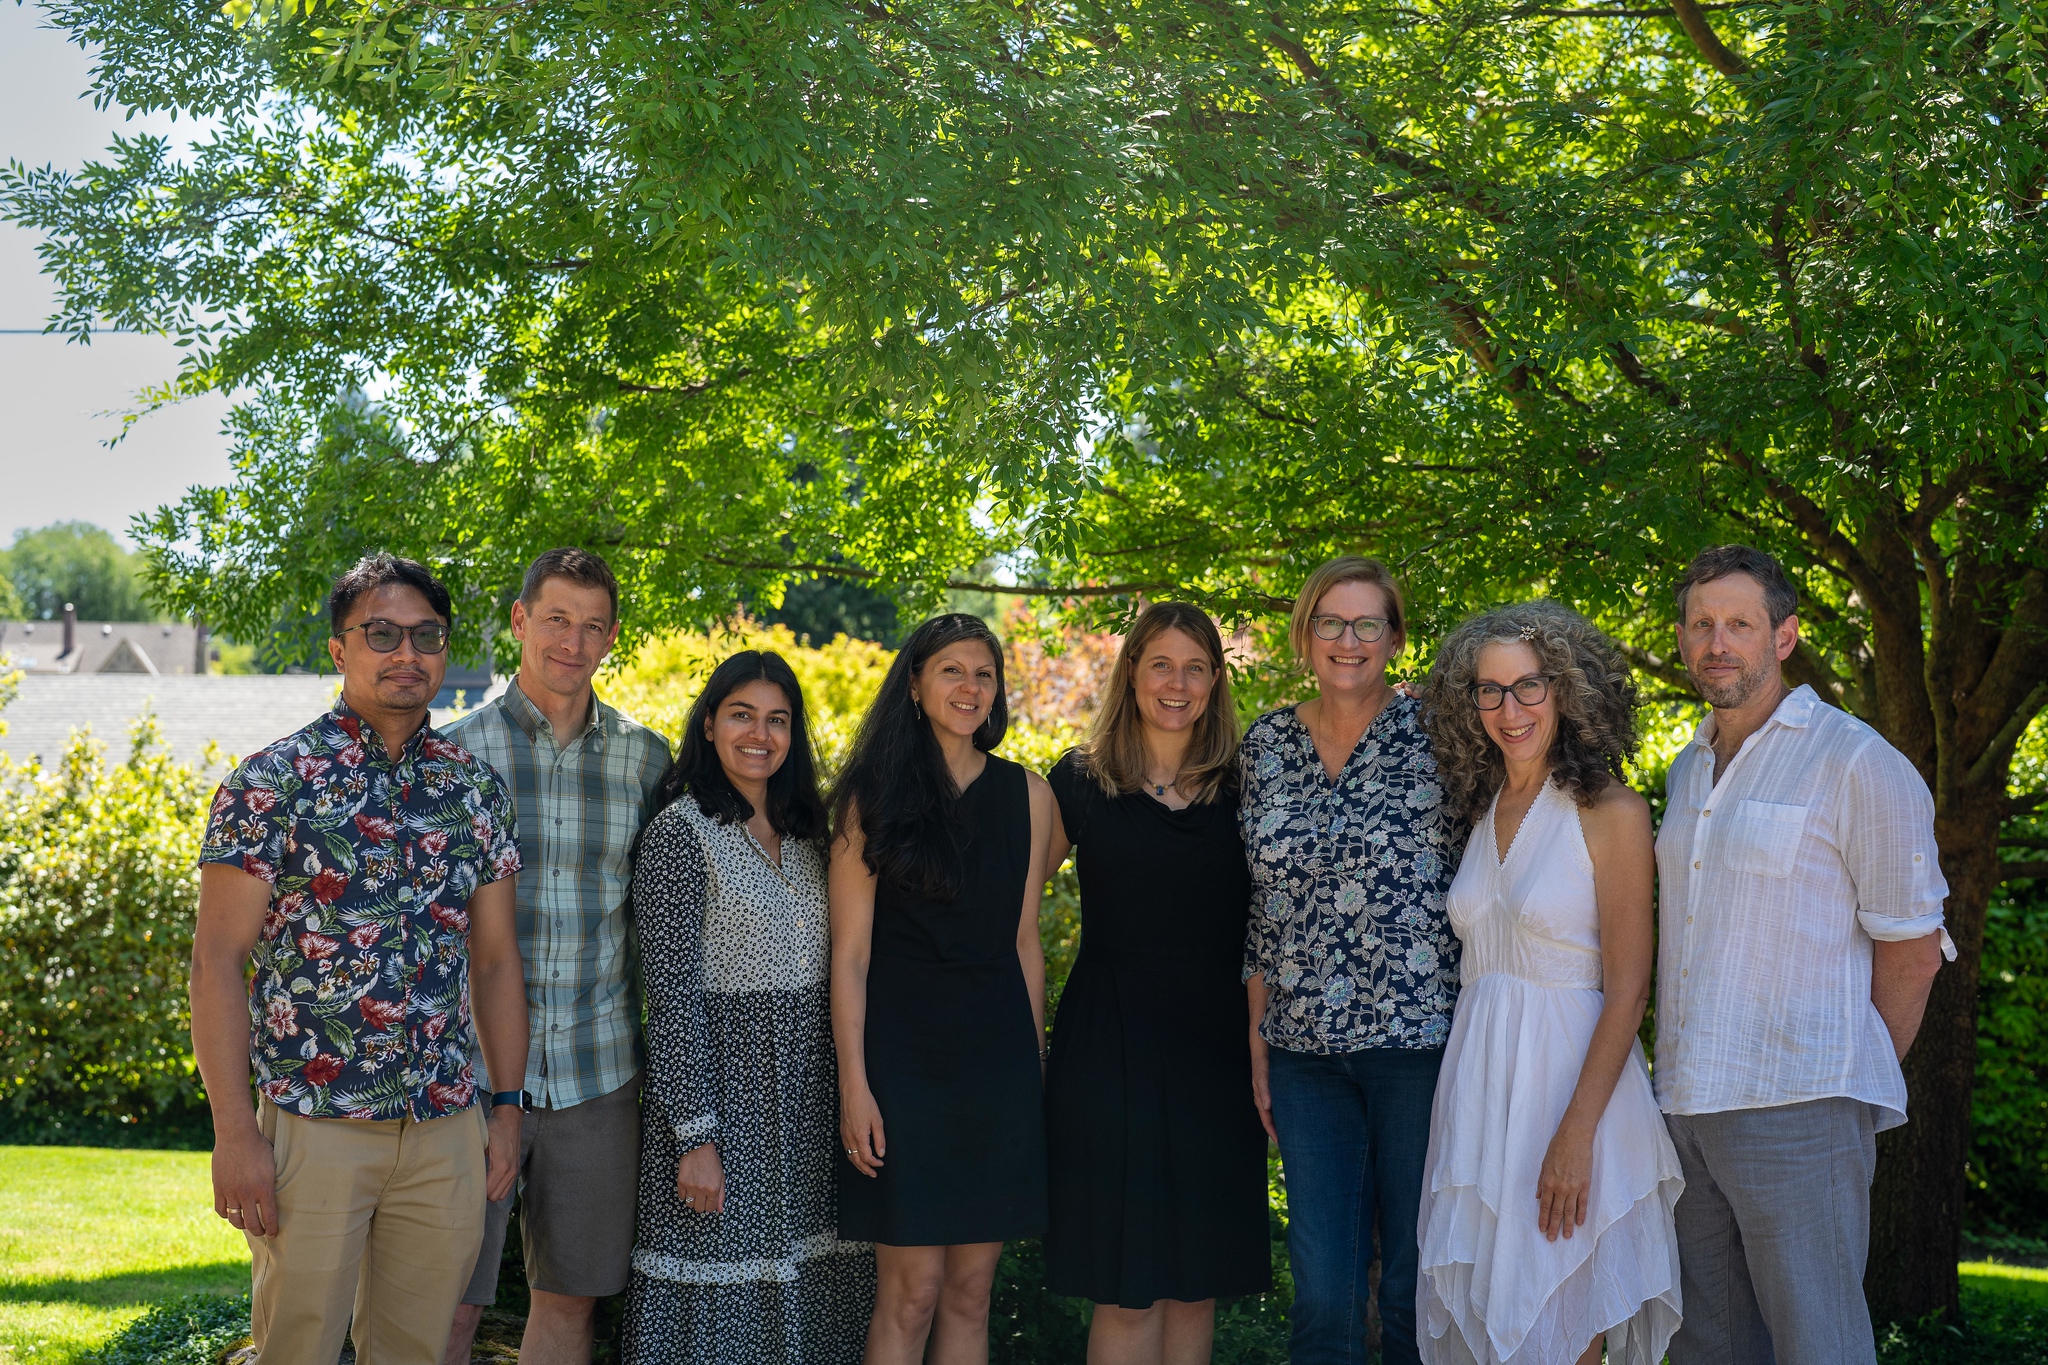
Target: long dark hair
[
  {"x": 794, "y": 806},
  {"x": 897, "y": 777}
]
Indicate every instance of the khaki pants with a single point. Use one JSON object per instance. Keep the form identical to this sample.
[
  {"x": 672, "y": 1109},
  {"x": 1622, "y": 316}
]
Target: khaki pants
[{"x": 379, "y": 1220}]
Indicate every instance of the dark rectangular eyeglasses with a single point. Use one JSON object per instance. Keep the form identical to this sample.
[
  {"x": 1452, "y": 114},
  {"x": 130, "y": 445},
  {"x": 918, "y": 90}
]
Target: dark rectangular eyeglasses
[
  {"x": 1529, "y": 691},
  {"x": 428, "y": 637}
]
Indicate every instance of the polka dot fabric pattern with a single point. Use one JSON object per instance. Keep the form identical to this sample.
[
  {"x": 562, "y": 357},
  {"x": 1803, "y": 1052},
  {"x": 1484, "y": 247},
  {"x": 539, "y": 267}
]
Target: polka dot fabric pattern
[{"x": 739, "y": 1052}]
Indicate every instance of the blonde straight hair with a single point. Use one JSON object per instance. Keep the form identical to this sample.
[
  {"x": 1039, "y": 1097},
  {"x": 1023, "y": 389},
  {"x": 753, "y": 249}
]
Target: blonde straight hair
[{"x": 1114, "y": 751}]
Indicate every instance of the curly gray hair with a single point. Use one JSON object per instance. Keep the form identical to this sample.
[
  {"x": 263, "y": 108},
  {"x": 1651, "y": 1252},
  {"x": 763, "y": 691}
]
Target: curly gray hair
[{"x": 1590, "y": 681}]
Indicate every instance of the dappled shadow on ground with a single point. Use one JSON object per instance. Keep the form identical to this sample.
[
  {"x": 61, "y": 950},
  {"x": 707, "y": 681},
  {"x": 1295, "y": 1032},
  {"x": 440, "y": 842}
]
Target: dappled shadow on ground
[{"x": 131, "y": 1286}]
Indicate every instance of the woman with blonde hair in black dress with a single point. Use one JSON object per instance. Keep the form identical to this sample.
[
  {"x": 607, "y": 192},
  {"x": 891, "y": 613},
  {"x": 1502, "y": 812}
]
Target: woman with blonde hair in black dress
[
  {"x": 938, "y": 993},
  {"x": 1157, "y": 1153}
]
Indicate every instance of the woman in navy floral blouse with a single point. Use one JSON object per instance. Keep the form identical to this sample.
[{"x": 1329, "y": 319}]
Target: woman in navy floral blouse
[{"x": 1350, "y": 964}]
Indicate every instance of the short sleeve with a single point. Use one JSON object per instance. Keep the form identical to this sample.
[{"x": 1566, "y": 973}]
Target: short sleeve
[
  {"x": 1072, "y": 787},
  {"x": 1885, "y": 822},
  {"x": 500, "y": 852},
  {"x": 250, "y": 819}
]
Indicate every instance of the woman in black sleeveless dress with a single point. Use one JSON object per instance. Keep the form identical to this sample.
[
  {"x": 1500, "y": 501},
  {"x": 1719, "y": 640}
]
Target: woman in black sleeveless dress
[
  {"x": 938, "y": 993},
  {"x": 1157, "y": 1153}
]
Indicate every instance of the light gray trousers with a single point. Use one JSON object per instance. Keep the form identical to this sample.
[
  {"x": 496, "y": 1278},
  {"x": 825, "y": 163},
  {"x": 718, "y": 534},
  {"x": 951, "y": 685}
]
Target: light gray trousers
[{"x": 1773, "y": 1231}]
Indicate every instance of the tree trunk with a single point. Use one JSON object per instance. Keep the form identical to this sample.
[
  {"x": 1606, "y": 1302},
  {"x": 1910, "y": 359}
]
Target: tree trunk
[{"x": 1916, "y": 1204}]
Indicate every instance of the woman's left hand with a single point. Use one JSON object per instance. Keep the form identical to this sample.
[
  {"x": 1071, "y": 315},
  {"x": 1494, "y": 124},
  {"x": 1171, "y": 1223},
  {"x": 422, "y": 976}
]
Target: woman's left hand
[{"x": 1565, "y": 1186}]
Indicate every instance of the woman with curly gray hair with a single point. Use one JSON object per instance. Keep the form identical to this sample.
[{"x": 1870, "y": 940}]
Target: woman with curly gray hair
[{"x": 1546, "y": 1218}]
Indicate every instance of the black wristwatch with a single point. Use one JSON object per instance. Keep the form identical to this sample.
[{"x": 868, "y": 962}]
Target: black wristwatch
[{"x": 515, "y": 1098}]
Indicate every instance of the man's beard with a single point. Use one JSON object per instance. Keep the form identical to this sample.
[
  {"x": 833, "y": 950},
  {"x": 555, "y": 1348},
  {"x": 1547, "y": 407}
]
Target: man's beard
[{"x": 1743, "y": 688}]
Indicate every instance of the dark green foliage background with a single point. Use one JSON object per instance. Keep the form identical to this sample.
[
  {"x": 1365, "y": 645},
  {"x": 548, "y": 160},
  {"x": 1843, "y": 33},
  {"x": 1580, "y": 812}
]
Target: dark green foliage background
[{"x": 2009, "y": 1142}]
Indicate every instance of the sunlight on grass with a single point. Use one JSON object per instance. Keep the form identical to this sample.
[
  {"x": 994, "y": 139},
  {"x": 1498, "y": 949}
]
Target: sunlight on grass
[
  {"x": 2018, "y": 1283},
  {"x": 88, "y": 1236}
]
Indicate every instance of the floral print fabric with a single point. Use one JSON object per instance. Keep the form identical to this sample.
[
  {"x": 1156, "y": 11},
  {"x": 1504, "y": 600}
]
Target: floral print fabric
[
  {"x": 360, "y": 1005},
  {"x": 1348, "y": 885}
]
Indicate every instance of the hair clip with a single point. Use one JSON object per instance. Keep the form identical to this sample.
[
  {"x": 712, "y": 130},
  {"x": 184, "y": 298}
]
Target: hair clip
[{"x": 1528, "y": 632}]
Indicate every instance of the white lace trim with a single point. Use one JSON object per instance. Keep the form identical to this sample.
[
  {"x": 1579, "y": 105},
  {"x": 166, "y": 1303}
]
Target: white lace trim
[{"x": 665, "y": 1267}]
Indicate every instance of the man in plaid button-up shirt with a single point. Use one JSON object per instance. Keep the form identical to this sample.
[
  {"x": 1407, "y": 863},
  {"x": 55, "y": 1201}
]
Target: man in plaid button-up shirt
[{"x": 583, "y": 778}]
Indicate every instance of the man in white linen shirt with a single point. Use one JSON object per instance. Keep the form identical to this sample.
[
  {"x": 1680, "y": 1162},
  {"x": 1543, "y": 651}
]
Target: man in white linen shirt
[{"x": 1800, "y": 928}]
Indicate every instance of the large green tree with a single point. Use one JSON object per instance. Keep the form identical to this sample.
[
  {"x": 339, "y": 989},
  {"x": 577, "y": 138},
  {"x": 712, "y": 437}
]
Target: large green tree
[
  {"x": 73, "y": 563},
  {"x": 1162, "y": 295}
]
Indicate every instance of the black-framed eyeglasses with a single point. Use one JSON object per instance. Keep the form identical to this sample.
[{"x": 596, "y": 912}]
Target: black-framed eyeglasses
[
  {"x": 1367, "y": 628},
  {"x": 1529, "y": 691},
  {"x": 428, "y": 637}
]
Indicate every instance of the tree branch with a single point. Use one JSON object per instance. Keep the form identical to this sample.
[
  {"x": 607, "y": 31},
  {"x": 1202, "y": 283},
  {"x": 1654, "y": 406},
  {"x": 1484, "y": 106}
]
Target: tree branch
[
  {"x": 1659, "y": 667},
  {"x": 1718, "y": 54},
  {"x": 958, "y": 584},
  {"x": 2008, "y": 735},
  {"x": 2014, "y": 872},
  {"x": 1809, "y": 517}
]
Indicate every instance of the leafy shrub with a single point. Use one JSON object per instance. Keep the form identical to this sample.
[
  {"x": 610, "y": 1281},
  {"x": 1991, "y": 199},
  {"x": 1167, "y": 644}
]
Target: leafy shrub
[
  {"x": 657, "y": 685},
  {"x": 1996, "y": 1329},
  {"x": 2008, "y": 1167},
  {"x": 97, "y": 896},
  {"x": 197, "y": 1329}
]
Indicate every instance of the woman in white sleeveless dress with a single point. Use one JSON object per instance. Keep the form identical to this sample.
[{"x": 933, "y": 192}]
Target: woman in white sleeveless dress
[{"x": 1550, "y": 1180}]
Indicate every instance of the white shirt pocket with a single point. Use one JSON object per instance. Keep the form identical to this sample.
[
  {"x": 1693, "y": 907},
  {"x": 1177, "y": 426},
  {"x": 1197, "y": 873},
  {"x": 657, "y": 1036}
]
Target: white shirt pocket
[{"x": 1763, "y": 838}]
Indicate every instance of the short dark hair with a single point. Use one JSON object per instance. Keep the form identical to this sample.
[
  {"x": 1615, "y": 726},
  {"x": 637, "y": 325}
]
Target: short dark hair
[
  {"x": 380, "y": 570},
  {"x": 578, "y": 566},
  {"x": 1781, "y": 598},
  {"x": 795, "y": 808}
]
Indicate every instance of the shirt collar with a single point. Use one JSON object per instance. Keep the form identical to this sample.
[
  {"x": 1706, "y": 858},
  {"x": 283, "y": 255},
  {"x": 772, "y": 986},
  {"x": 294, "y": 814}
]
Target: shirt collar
[
  {"x": 1794, "y": 710},
  {"x": 528, "y": 718},
  {"x": 350, "y": 723}
]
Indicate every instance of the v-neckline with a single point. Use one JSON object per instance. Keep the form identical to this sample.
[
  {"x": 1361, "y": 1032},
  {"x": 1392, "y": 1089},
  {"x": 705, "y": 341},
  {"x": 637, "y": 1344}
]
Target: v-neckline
[
  {"x": 1315, "y": 757},
  {"x": 1493, "y": 826},
  {"x": 774, "y": 865}
]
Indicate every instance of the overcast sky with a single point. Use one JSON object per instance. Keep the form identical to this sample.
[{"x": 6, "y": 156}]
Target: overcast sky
[{"x": 53, "y": 393}]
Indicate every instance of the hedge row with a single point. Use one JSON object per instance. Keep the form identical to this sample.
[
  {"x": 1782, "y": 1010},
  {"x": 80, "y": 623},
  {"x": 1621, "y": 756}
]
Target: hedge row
[{"x": 97, "y": 890}]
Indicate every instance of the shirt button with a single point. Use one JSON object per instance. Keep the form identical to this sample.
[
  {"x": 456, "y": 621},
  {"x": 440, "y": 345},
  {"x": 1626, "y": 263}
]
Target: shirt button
[
  {"x": 1682, "y": 971},
  {"x": 558, "y": 872},
  {"x": 1705, "y": 813},
  {"x": 1688, "y": 919},
  {"x": 1695, "y": 864}
]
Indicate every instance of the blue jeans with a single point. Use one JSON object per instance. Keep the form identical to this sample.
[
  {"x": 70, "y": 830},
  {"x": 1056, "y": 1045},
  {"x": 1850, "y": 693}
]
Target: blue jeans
[{"x": 1354, "y": 1129}]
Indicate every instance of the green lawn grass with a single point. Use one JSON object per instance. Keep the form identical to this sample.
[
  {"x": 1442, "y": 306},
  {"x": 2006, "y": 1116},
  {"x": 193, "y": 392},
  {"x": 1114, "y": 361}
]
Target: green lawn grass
[
  {"x": 89, "y": 1236},
  {"x": 2021, "y": 1285}
]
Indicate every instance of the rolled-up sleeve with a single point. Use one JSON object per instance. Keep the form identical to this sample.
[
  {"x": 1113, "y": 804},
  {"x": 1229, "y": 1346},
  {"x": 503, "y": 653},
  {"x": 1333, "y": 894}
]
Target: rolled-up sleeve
[{"x": 1886, "y": 824}]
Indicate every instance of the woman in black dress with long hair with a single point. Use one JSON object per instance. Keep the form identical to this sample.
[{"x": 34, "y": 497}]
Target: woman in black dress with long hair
[
  {"x": 938, "y": 993},
  {"x": 1157, "y": 1153}
]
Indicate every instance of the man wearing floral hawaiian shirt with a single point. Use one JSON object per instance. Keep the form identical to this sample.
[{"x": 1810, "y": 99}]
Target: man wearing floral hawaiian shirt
[{"x": 366, "y": 865}]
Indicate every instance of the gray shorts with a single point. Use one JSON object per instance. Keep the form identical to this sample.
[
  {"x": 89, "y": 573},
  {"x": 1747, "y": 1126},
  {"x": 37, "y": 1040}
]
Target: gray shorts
[{"x": 579, "y": 1187}]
